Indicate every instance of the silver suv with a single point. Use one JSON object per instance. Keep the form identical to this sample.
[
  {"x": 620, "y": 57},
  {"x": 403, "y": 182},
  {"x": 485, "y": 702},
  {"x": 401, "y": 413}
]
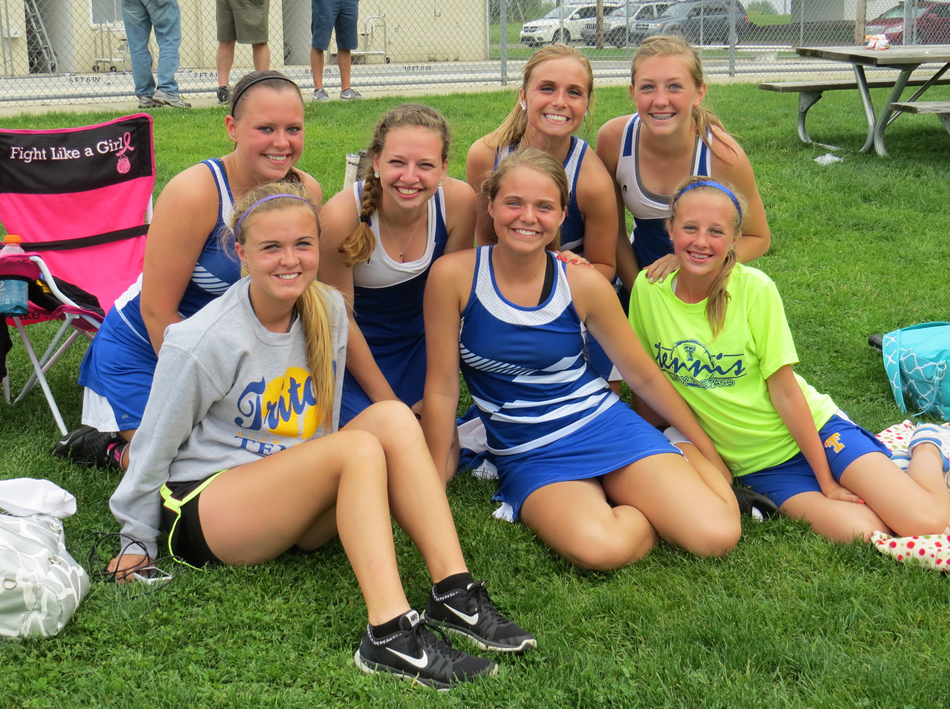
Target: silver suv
[
  {"x": 619, "y": 24},
  {"x": 550, "y": 28},
  {"x": 697, "y": 21}
]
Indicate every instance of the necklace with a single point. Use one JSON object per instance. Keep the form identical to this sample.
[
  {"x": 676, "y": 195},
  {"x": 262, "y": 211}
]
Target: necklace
[{"x": 402, "y": 249}]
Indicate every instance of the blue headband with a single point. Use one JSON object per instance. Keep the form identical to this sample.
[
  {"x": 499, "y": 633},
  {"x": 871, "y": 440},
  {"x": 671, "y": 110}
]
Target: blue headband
[
  {"x": 709, "y": 183},
  {"x": 279, "y": 195}
]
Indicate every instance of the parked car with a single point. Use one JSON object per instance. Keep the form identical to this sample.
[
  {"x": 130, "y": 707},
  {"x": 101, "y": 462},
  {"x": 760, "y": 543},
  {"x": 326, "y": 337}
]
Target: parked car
[
  {"x": 697, "y": 21},
  {"x": 933, "y": 23},
  {"x": 619, "y": 24},
  {"x": 550, "y": 29}
]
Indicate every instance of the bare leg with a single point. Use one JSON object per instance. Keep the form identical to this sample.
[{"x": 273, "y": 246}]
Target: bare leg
[
  {"x": 576, "y": 521},
  {"x": 343, "y": 59},
  {"x": 261, "y": 54},
  {"x": 224, "y": 60},
  {"x": 127, "y": 435},
  {"x": 835, "y": 520},
  {"x": 256, "y": 511},
  {"x": 416, "y": 491},
  {"x": 699, "y": 515},
  {"x": 915, "y": 502},
  {"x": 316, "y": 67}
]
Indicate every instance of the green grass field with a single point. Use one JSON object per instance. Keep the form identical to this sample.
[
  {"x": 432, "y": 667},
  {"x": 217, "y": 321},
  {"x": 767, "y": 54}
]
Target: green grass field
[{"x": 786, "y": 620}]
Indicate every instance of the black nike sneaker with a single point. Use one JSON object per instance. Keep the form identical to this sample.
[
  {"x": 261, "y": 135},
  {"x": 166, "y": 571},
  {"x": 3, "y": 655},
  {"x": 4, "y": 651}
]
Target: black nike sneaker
[
  {"x": 470, "y": 612},
  {"x": 417, "y": 654}
]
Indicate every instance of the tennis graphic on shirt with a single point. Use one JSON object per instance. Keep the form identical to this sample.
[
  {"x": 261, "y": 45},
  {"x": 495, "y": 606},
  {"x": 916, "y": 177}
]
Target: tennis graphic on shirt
[
  {"x": 285, "y": 406},
  {"x": 695, "y": 365}
]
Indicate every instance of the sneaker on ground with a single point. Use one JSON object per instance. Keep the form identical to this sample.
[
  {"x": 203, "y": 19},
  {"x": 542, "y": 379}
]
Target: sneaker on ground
[
  {"x": 935, "y": 435},
  {"x": 754, "y": 505},
  {"x": 321, "y": 95},
  {"x": 417, "y": 654},
  {"x": 87, "y": 445},
  {"x": 224, "y": 94},
  {"x": 166, "y": 99},
  {"x": 350, "y": 95},
  {"x": 148, "y": 102},
  {"x": 471, "y": 613}
]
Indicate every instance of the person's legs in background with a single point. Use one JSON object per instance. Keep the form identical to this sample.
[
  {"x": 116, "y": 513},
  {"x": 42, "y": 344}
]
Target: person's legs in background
[{"x": 138, "y": 27}]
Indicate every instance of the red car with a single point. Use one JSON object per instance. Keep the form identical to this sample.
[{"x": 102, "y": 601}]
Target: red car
[{"x": 933, "y": 24}]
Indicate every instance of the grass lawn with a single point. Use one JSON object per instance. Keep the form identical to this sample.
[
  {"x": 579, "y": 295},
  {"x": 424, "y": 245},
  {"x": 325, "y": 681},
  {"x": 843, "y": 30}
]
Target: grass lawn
[{"x": 786, "y": 620}]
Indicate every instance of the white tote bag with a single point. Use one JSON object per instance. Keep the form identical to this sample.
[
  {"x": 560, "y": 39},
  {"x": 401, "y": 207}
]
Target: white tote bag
[{"x": 40, "y": 583}]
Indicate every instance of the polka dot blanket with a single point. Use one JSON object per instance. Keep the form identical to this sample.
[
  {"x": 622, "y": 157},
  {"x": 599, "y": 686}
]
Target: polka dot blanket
[{"x": 930, "y": 550}]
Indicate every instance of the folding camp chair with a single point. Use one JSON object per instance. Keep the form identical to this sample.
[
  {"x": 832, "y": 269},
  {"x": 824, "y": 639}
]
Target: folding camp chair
[{"x": 80, "y": 199}]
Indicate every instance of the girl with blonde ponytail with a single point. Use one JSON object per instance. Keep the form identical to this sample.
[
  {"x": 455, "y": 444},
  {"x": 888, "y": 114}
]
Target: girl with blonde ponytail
[
  {"x": 239, "y": 456},
  {"x": 717, "y": 329},
  {"x": 670, "y": 137},
  {"x": 379, "y": 240},
  {"x": 555, "y": 99}
]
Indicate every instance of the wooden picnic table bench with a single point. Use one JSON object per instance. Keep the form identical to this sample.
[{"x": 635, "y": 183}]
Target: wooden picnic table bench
[
  {"x": 809, "y": 93},
  {"x": 941, "y": 108}
]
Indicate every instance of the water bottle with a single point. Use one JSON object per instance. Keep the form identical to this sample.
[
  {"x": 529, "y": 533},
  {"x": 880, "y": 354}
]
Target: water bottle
[
  {"x": 349, "y": 175},
  {"x": 13, "y": 297}
]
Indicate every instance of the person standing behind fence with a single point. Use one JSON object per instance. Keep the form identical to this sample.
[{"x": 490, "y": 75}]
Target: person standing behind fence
[
  {"x": 243, "y": 21},
  {"x": 327, "y": 15},
  {"x": 140, "y": 18}
]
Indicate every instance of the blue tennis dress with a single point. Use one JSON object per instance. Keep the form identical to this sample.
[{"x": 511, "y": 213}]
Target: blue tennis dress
[
  {"x": 548, "y": 416},
  {"x": 387, "y": 307},
  {"x": 572, "y": 237},
  {"x": 119, "y": 365}
]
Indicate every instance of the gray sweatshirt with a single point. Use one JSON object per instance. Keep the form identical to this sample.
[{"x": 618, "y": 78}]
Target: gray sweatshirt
[{"x": 226, "y": 392}]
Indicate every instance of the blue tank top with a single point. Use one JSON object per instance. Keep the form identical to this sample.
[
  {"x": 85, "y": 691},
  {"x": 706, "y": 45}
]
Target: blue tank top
[
  {"x": 390, "y": 317},
  {"x": 572, "y": 230},
  {"x": 525, "y": 366},
  {"x": 213, "y": 274},
  {"x": 650, "y": 211}
]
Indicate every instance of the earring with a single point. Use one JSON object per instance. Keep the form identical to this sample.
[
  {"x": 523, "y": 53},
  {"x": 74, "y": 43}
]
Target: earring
[
  {"x": 440, "y": 183},
  {"x": 586, "y": 114},
  {"x": 524, "y": 107},
  {"x": 376, "y": 175}
]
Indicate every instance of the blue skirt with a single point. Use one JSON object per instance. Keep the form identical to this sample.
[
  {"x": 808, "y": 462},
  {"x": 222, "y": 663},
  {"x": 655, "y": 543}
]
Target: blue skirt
[{"x": 611, "y": 441}]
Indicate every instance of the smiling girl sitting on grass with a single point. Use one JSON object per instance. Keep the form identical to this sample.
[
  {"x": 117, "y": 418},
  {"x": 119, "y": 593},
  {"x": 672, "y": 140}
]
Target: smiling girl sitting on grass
[{"x": 717, "y": 328}]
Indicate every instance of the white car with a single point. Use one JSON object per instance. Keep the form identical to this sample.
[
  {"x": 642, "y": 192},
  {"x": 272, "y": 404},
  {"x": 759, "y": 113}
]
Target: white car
[{"x": 550, "y": 28}]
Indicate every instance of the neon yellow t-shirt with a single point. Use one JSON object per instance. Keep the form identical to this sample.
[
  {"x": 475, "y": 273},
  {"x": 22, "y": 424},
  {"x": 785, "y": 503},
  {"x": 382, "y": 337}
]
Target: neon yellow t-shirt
[{"x": 724, "y": 380}]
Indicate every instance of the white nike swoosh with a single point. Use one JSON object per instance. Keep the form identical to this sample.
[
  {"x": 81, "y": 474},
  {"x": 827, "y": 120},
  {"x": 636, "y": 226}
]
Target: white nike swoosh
[
  {"x": 470, "y": 619},
  {"x": 418, "y": 662}
]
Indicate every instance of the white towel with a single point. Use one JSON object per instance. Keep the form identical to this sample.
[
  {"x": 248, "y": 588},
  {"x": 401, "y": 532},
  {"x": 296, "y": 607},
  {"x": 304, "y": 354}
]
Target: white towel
[{"x": 22, "y": 497}]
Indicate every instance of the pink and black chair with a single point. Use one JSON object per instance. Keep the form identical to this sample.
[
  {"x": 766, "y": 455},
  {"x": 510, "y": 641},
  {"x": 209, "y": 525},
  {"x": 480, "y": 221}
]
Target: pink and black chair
[{"x": 80, "y": 199}]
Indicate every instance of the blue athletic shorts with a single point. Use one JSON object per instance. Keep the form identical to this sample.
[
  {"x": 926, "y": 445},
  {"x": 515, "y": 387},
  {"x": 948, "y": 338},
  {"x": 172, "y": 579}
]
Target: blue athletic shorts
[
  {"x": 844, "y": 442},
  {"x": 327, "y": 15}
]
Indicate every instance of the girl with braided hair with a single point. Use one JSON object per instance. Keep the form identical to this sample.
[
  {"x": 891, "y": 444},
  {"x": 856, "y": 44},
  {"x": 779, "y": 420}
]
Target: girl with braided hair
[{"x": 379, "y": 241}]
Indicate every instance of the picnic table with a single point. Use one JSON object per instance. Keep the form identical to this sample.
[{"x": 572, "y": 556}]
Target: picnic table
[{"x": 904, "y": 58}]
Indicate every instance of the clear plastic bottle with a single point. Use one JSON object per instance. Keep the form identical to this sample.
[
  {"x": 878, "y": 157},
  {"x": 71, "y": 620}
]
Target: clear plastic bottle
[{"x": 13, "y": 291}]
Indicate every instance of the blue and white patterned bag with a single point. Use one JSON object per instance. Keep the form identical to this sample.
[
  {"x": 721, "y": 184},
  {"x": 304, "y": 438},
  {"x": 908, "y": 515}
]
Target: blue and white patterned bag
[{"x": 916, "y": 360}]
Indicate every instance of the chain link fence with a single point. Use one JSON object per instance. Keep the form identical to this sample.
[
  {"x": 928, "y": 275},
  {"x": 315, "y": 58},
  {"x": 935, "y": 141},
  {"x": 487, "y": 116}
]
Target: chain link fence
[{"x": 76, "y": 51}]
